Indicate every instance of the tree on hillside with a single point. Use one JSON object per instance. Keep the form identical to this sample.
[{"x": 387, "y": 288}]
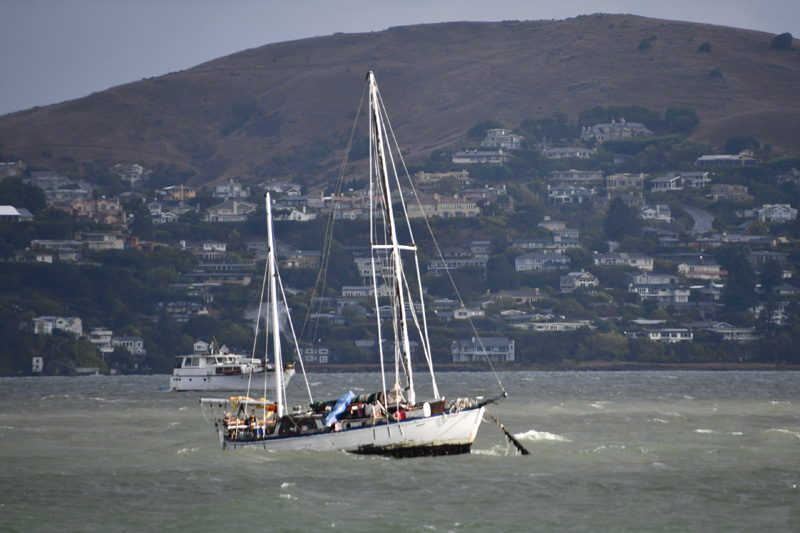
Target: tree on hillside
[
  {"x": 781, "y": 42},
  {"x": 737, "y": 143},
  {"x": 621, "y": 220},
  {"x": 681, "y": 119},
  {"x": 478, "y": 131},
  {"x": 705, "y": 47},
  {"x": 740, "y": 286},
  {"x": 771, "y": 276}
]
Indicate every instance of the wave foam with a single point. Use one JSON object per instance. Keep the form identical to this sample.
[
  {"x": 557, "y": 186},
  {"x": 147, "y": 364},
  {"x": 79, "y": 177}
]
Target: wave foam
[
  {"x": 540, "y": 436},
  {"x": 784, "y": 431}
]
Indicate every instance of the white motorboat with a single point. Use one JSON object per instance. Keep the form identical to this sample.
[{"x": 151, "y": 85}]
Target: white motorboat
[{"x": 224, "y": 372}]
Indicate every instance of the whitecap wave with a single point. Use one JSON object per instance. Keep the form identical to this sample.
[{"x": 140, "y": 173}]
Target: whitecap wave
[
  {"x": 541, "y": 436},
  {"x": 496, "y": 451},
  {"x": 287, "y": 484},
  {"x": 705, "y": 431},
  {"x": 784, "y": 431},
  {"x": 184, "y": 451},
  {"x": 609, "y": 447},
  {"x": 661, "y": 420}
]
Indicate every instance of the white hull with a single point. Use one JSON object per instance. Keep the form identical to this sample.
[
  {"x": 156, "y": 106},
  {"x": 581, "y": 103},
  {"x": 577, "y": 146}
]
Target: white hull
[
  {"x": 443, "y": 434},
  {"x": 235, "y": 382}
]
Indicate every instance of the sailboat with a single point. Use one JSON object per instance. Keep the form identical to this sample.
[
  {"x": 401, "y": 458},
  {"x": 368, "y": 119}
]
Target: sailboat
[{"x": 391, "y": 421}]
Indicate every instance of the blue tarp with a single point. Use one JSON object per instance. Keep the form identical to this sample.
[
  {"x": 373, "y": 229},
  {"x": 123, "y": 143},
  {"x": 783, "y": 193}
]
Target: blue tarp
[{"x": 341, "y": 405}]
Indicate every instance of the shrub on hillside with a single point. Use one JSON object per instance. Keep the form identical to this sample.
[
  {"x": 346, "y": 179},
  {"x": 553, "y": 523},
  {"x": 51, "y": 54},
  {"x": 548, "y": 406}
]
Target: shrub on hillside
[{"x": 781, "y": 42}]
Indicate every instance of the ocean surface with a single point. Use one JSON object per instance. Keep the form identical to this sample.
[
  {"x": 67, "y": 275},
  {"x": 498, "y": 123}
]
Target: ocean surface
[{"x": 610, "y": 451}]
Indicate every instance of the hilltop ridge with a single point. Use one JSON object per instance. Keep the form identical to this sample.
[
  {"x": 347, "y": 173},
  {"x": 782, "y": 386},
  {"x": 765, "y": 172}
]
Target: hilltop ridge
[{"x": 256, "y": 113}]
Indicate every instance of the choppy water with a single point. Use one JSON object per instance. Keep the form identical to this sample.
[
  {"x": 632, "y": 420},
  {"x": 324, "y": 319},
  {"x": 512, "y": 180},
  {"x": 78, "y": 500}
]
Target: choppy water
[{"x": 630, "y": 451}]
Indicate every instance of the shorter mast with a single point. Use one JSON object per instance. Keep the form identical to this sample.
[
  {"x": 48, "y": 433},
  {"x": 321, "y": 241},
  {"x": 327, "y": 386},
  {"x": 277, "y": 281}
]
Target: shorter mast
[{"x": 273, "y": 302}]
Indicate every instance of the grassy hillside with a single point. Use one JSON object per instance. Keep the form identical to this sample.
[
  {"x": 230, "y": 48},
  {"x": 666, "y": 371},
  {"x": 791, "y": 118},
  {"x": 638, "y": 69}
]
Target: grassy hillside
[{"x": 285, "y": 110}]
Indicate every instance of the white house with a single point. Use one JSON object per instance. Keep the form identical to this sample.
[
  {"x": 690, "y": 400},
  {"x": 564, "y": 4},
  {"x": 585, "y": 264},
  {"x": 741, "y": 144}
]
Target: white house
[
  {"x": 501, "y": 138},
  {"x": 479, "y": 349},
  {"x": 660, "y": 212},
  {"x": 633, "y": 259},
  {"x": 578, "y": 280},
  {"x": 776, "y": 213}
]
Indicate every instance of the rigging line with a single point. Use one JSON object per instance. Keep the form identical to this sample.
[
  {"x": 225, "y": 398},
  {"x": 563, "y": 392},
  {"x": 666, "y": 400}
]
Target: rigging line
[
  {"x": 321, "y": 277},
  {"x": 258, "y": 324},
  {"x": 294, "y": 337},
  {"x": 390, "y": 134}
]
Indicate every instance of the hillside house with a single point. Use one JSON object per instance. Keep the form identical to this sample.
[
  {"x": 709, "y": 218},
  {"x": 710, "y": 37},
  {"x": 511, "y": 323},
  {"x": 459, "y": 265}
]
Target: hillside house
[
  {"x": 631, "y": 259},
  {"x": 9, "y": 169},
  {"x": 559, "y": 325},
  {"x": 210, "y": 250},
  {"x": 793, "y": 176},
  {"x": 445, "y": 206},
  {"x": 98, "y": 240},
  {"x": 659, "y": 212},
  {"x": 626, "y": 181},
  {"x": 282, "y": 188},
  {"x": 695, "y": 180},
  {"x": 568, "y": 194},
  {"x": 565, "y": 152},
  {"x": 133, "y": 343},
  {"x": 578, "y": 280},
  {"x": 177, "y": 193},
  {"x": 576, "y": 177},
  {"x": 316, "y": 355},
  {"x": 731, "y": 333},
  {"x": 497, "y": 349},
  {"x": 471, "y": 157},
  {"x": 663, "y": 288},
  {"x": 519, "y": 296},
  {"x": 302, "y": 259},
  {"x": 776, "y": 213},
  {"x": 230, "y": 211},
  {"x": 296, "y": 215},
  {"x": 554, "y": 244},
  {"x": 502, "y": 138},
  {"x": 541, "y": 262},
  {"x": 231, "y": 190},
  {"x": 429, "y": 180},
  {"x": 133, "y": 174},
  {"x": 667, "y": 335},
  {"x": 635, "y": 199},
  {"x": 615, "y": 130},
  {"x": 701, "y": 268},
  {"x": 743, "y": 158},
  {"x": 736, "y": 193},
  {"x": 101, "y": 338},
  {"x": 668, "y": 182},
  {"x": 9, "y": 213},
  {"x": 44, "y": 325},
  {"x": 437, "y": 267}
]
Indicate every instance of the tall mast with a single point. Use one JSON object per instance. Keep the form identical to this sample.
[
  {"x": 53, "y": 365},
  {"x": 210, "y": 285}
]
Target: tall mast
[
  {"x": 394, "y": 246},
  {"x": 273, "y": 301}
]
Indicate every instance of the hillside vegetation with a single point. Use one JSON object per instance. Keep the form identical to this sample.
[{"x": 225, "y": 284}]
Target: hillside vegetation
[{"x": 285, "y": 110}]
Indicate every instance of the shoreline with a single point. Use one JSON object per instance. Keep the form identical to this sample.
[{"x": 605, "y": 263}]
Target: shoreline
[
  {"x": 582, "y": 366},
  {"x": 570, "y": 366}
]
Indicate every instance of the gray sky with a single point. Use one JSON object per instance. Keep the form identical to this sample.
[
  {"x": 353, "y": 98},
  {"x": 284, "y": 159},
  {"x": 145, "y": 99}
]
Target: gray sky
[{"x": 57, "y": 50}]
